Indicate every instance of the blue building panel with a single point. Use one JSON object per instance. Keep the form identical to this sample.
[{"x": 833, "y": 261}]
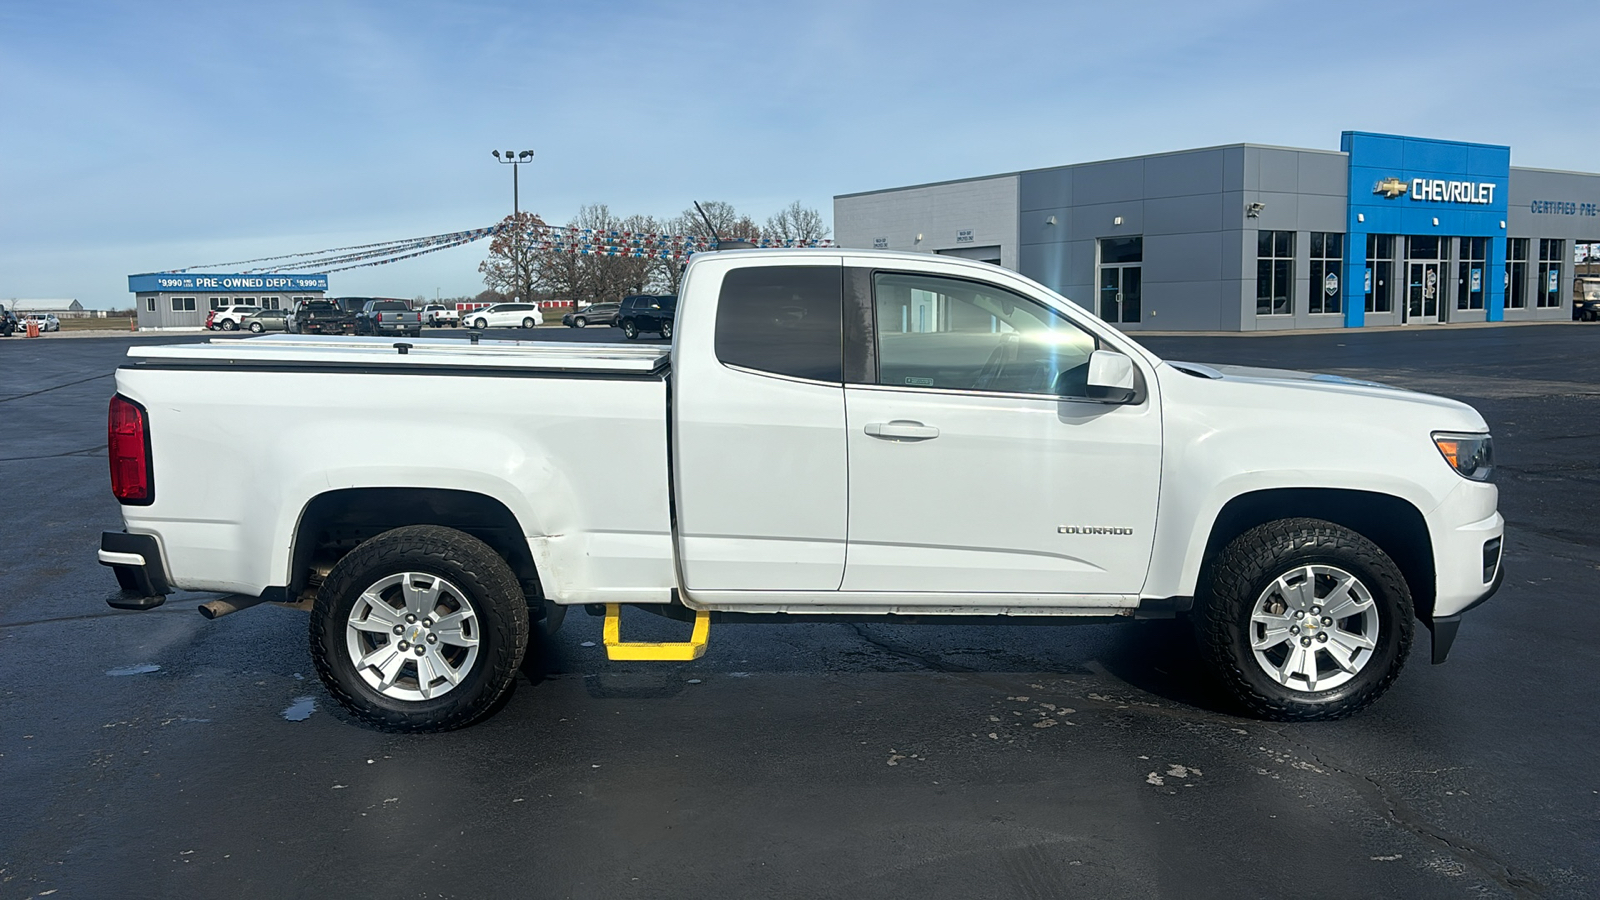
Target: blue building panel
[{"x": 1416, "y": 186}]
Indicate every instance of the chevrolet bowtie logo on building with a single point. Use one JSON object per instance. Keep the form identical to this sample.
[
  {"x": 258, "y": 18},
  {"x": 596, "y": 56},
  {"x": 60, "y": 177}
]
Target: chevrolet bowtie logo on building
[{"x": 1390, "y": 187}]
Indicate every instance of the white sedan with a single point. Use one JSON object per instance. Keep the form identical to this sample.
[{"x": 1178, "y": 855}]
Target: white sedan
[
  {"x": 47, "y": 322},
  {"x": 506, "y": 315}
]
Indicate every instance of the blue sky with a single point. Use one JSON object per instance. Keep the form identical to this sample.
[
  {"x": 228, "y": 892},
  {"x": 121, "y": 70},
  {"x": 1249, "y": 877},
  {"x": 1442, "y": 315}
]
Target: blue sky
[{"x": 144, "y": 136}]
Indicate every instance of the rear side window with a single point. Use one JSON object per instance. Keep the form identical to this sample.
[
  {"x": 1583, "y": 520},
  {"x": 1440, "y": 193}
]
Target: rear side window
[{"x": 787, "y": 320}]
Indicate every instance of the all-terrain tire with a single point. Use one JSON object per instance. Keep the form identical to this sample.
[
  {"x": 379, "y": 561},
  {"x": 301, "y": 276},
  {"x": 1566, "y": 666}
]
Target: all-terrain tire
[
  {"x": 466, "y": 562},
  {"x": 1248, "y": 566}
]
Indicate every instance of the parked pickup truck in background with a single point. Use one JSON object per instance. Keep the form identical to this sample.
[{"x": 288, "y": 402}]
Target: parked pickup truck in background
[
  {"x": 321, "y": 317},
  {"x": 856, "y": 434},
  {"x": 437, "y": 315},
  {"x": 388, "y": 317}
]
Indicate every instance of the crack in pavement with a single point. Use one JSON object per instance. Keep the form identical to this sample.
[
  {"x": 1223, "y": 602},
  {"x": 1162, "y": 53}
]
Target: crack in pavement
[
  {"x": 930, "y": 662},
  {"x": 1402, "y": 816}
]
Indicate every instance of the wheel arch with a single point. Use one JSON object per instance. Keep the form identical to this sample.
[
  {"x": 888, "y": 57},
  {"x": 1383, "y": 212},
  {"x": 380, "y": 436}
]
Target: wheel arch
[
  {"x": 1393, "y": 523},
  {"x": 333, "y": 523}
]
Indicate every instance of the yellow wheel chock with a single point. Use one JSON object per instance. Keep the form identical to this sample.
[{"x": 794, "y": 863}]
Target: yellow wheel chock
[{"x": 656, "y": 651}]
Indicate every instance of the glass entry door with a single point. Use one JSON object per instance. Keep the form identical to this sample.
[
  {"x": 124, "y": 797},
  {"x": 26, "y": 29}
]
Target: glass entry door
[
  {"x": 1422, "y": 299},
  {"x": 1121, "y": 278},
  {"x": 1119, "y": 293}
]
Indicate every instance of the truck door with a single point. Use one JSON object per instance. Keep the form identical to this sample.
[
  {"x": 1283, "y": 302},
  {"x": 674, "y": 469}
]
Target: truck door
[
  {"x": 978, "y": 464},
  {"x": 759, "y": 427}
]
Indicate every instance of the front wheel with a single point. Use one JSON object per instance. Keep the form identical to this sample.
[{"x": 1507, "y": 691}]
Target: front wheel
[
  {"x": 630, "y": 330},
  {"x": 1305, "y": 620},
  {"x": 580, "y": 322},
  {"x": 419, "y": 629},
  {"x": 480, "y": 324}
]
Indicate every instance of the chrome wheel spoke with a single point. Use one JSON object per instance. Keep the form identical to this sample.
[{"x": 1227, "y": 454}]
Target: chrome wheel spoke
[
  {"x": 380, "y": 618},
  {"x": 1276, "y": 632},
  {"x": 451, "y": 629},
  {"x": 1341, "y": 604},
  {"x": 1349, "y": 641},
  {"x": 425, "y": 675},
  {"x": 421, "y": 601}
]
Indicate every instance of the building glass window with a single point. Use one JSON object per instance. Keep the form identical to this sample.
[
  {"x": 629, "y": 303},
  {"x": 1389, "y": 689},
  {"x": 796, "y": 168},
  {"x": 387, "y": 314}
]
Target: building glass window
[
  {"x": 1274, "y": 273},
  {"x": 1547, "y": 289},
  {"x": 271, "y": 303},
  {"x": 1470, "y": 272},
  {"x": 1121, "y": 278},
  {"x": 1327, "y": 260},
  {"x": 183, "y": 304},
  {"x": 1380, "y": 273},
  {"x": 217, "y": 302},
  {"x": 150, "y": 304},
  {"x": 1516, "y": 273}
]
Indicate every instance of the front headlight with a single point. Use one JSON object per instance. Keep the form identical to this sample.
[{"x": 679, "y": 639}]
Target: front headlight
[{"x": 1471, "y": 455}]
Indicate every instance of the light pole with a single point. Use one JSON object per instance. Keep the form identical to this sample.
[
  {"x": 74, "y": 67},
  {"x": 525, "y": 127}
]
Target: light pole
[{"x": 516, "y": 159}]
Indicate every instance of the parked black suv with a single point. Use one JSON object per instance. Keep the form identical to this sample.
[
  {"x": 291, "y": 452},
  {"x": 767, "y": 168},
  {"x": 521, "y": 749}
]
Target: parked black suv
[
  {"x": 8, "y": 322},
  {"x": 646, "y": 312}
]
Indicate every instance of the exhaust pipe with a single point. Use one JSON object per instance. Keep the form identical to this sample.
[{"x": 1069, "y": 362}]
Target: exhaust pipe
[{"x": 232, "y": 603}]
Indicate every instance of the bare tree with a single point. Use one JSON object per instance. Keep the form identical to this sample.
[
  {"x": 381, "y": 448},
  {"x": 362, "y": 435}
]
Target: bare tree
[
  {"x": 727, "y": 223},
  {"x": 512, "y": 268},
  {"x": 796, "y": 223}
]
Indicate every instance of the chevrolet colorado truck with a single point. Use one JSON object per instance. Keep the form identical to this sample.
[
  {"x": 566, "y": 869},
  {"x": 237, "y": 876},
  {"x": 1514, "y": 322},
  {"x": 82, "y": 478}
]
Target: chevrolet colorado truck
[{"x": 833, "y": 435}]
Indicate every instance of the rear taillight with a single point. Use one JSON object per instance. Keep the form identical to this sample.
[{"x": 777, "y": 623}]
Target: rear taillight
[{"x": 128, "y": 447}]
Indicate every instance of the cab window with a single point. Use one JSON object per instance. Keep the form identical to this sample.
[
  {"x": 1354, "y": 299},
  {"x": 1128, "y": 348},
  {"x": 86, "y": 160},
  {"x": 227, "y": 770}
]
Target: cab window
[
  {"x": 954, "y": 334},
  {"x": 787, "y": 320}
]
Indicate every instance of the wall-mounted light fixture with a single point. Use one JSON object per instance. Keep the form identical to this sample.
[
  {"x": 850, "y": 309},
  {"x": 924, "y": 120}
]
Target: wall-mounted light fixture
[
  {"x": 1050, "y": 221},
  {"x": 919, "y": 237},
  {"x": 1436, "y": 221},
  {"x": 1117, "y": 220},
  {"x": 1502, "y": 224},
  {"x": 1361, "y": 217},
  {"x": 1254, "y": 210}
]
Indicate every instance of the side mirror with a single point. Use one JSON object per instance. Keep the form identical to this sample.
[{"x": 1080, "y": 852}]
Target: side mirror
[{"x": 1112, "y": 377}]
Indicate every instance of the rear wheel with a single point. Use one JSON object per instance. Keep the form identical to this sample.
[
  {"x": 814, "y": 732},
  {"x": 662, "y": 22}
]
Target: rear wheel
[
  {"x": 630, "y": 330},
  {"x": 666, "y": 329},
  {"x": 256, "y": 328},
  {"x": 419, "y": 629},
  {"x": 528, "y": 322},
  {"x": 230, "y": 325},
  {"x": 1305, "y": 620}
]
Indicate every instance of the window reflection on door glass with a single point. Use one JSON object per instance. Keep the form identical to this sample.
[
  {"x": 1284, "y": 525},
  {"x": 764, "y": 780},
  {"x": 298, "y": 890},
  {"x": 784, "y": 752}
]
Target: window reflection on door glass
[{"x": 965, "y": 335}]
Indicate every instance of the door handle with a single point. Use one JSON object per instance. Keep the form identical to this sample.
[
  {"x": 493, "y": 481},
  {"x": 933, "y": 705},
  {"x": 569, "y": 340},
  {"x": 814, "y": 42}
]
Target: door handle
[{"x": 901, "y": 430}]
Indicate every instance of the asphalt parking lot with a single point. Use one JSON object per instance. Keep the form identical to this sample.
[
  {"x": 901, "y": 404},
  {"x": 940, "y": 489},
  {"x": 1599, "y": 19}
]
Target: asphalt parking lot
[{"x": 157, "y": 754}]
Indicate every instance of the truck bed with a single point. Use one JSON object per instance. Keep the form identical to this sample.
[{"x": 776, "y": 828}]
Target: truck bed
[{"x": 570, "y": 439}]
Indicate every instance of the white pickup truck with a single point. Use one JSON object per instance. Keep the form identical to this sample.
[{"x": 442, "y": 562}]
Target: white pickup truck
[{"x": 851, "y": 434}]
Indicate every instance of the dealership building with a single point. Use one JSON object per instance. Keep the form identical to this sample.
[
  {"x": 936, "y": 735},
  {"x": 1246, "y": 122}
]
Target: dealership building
[
  {"x": 1388, "y": 230},
  {"x": 181, "y": 300}
]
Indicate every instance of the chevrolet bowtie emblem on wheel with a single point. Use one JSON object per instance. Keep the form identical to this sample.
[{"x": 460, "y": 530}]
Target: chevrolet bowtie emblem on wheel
[{"x": 1390, "y": 187}]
